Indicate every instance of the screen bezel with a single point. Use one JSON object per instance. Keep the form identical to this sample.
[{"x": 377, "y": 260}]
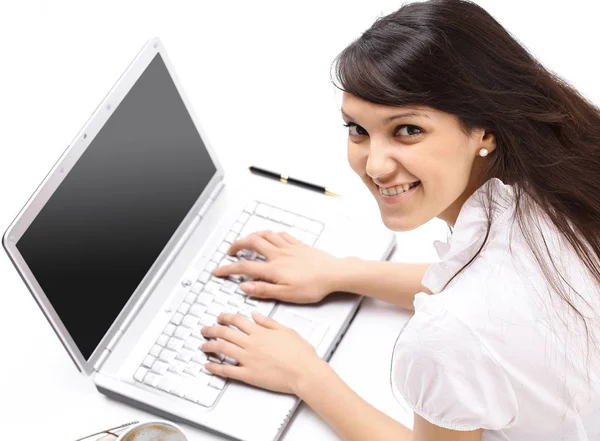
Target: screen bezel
[{"x": 62, "y": 167}]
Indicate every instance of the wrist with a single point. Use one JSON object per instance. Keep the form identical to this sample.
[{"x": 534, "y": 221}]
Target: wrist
[
  {"x": 340, "y": 274},
  {"x": 312, "y": 378}
]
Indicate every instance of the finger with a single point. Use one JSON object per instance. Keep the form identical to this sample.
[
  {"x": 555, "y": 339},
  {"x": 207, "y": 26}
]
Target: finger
[
  {"x": 264, "y": 290},
  {"x": 291, "y": 239},
  {"x": 227, "y": 371},
  {"x": 239, "y": 321},
  {"x": 265, "y": 321},
  {"x": 274, "y": 238},
  {"x": 258, "y": 270},
  {"x": 253, "y": 242},
  {"x": 223, "y": 347},
  {"x": 236, "y": 337}
]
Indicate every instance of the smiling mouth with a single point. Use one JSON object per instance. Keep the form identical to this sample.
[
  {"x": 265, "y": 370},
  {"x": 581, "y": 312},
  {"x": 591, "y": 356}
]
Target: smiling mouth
[{"x": 399, "y": 189}]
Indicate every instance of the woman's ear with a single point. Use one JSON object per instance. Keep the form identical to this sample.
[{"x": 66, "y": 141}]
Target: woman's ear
[{"x": 488, "y": 141}]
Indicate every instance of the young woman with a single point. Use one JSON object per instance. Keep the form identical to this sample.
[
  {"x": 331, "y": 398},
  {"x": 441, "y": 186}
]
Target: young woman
[{"x": 449, "y": 117}]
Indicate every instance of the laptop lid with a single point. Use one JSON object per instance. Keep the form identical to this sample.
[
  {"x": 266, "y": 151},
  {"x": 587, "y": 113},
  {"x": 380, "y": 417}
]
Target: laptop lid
[{"x": 91, "y": 241}]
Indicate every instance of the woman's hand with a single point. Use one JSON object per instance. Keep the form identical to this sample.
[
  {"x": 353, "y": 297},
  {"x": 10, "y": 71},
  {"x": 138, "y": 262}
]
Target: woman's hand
[
  {"x": 293, "y": 271},
  {"x": 270, "y": 355}
]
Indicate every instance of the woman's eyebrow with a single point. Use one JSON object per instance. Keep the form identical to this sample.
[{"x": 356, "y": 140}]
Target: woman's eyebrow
[{"x": 392, "y": 117}]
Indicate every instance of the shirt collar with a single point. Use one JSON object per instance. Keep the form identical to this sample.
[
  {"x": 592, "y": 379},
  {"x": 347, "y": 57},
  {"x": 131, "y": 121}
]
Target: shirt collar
[{"x": 468, "y": 234}]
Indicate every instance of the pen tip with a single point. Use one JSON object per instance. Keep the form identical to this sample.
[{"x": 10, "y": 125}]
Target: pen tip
[{"x": 330, "y": 193}]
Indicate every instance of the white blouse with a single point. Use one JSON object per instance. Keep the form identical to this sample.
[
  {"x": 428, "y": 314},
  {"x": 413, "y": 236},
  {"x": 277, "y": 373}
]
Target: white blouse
[{"x": 497, "y": 349}]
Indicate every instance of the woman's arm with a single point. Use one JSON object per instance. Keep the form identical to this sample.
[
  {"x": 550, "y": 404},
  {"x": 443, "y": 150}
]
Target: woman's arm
[
  {"x": 356, "y": 420},
  {"x": 391, "y": 282}
]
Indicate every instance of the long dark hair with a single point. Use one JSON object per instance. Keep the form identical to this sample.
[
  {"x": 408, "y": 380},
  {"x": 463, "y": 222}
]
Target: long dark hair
[{"x": 453, "y": 56}]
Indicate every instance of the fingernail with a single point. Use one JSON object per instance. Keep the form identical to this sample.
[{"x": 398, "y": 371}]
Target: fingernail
[{"x": 247, "y": 287}]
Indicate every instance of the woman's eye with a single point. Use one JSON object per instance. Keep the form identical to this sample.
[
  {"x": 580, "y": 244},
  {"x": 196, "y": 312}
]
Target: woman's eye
[
  {"x": 355, "y": 129},
  {"x": 409, "y": 130}
]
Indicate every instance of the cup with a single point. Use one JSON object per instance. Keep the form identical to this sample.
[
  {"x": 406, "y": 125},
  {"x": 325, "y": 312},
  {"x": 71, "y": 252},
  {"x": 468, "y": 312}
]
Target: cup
[{"x": 153, "y": 431}]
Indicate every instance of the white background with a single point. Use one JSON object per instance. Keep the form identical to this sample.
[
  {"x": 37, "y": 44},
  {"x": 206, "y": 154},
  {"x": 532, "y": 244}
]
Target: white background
[{"x": 257, "y": 74}]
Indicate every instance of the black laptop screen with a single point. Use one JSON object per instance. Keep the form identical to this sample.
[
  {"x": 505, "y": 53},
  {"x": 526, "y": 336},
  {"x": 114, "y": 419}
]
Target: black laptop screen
[{"x": 103, "y": 228}]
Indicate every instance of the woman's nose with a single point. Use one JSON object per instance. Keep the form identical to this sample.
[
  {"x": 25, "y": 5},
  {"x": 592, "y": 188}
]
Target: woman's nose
[{"x": 379, "y": 162}]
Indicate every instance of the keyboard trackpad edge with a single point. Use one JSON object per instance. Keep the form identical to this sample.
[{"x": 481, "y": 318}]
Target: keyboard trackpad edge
[{"x": 303, "y": 325}]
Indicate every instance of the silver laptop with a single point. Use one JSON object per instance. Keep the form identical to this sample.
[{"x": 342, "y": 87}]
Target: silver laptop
[{"x": 118, "y": 242}]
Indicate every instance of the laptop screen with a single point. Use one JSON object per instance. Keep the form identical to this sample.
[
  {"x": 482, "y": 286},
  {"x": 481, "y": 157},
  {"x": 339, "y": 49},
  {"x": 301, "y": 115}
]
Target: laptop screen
[{"x": 105, "y": 225}]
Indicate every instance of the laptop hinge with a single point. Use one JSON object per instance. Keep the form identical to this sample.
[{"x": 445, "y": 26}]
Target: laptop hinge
[
  {"x": 108, "y": 349},
  {"x": 211, "y": 199}
]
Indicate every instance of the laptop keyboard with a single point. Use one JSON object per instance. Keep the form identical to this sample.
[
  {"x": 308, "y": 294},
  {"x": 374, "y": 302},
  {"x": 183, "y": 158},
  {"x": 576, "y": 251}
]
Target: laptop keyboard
[{"x": 175, "y": 363}]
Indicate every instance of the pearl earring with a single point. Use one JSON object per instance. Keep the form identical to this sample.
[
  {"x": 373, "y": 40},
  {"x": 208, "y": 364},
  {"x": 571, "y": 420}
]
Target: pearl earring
[{"x": 483, "y": 152}]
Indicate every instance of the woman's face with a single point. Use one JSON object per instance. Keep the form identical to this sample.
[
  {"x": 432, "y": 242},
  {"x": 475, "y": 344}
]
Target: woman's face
[{"x": 389, "y": 146}]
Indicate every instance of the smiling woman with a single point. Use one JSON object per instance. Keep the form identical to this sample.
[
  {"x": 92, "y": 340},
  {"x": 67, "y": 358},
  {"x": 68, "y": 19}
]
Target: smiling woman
[{"x": 448, "y": 116}]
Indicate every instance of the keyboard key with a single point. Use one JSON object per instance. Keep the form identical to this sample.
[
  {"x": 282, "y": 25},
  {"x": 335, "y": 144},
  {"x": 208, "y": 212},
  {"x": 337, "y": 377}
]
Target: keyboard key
[
  {"x": 230, "y": 309},
  {"x": 193, "y": 369},
  {"x": 182, "y": 332},
  {"x": 212, "y": 287},
  {"x": 237, "y": 227},
  {"x": 217, "y": 382},
  {"x": 208, "y": 320},
  {"x": 262, "y": 210},
  {"x": 194, "y": 343},
  {"x": 155, "y": 351},
  {"x": 224, "y": 247},
  {"x": 140, "y": 374},
  {"x": 170, "y": 329},
  {"x": 210, "y": 266},
  {"x": 229, "y": 287},
  {"x": 205, "y": 298},
  {"x": 185, "y": 355},
  {"x": 200, "y": 357},
  {"x": 163, "y": 339},
  {"x": 236, "y": 300},
  {"x": 167, "y": 355},
  {"x": 152, "y": 379},
  {"x": 179, "y": 390},
  {"x": 160, "y": 367},
  {"x": 217, "y": 257},
  {"x": 148, "y": 361},
  {"x": 191, "y": 298},
  {"x": 198, "y": 286},
  {"x": 176, "y": 319},
  {"x": 250, "y": 301},
  {"x": 184, "y": 308},
  {"x": 214, "y": 309},
  {"x": 250, "y": 207},
  {"x": 175, "y": 344},
  {"x": 169, "y": 382},
  {"x": 204, "y": 277},
  {"x": 231, "y": 237},
  {"x": 243, "y": 218},
  {"x": 190, "y": 321},
  {"x": 197, "y": 310},
  {"x": 177, "y": 366},
  {"x": 217, "y": 280},
  {"x": 222, "y": 298}
]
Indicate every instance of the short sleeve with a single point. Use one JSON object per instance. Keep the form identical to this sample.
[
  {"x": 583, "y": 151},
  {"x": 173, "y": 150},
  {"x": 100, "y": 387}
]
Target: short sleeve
[{"x": 446, "y": 375}]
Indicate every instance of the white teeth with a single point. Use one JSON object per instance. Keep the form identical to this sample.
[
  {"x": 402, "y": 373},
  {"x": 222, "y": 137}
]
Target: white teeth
[{"x": 394, "y": 190}]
